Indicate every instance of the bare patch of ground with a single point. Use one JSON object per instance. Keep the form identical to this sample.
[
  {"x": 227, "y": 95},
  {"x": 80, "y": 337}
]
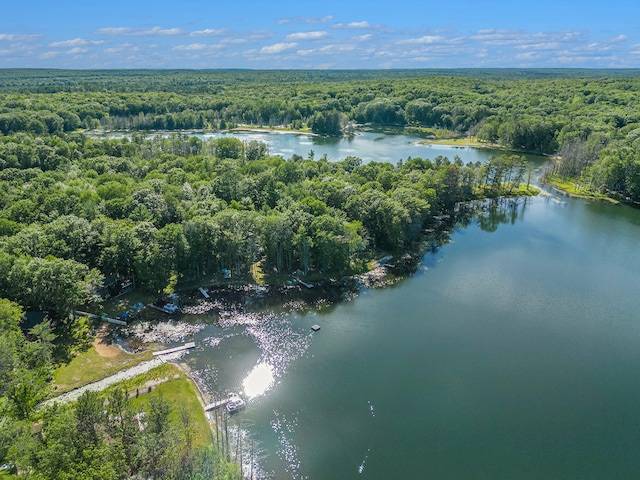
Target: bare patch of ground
[{"x": 102, "y": 343}]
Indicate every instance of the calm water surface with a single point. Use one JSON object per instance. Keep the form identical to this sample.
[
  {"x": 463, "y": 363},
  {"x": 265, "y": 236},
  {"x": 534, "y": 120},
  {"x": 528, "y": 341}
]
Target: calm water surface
[
  {"x": 370, "y": 146},
  {"x": 513, "y": 353}
]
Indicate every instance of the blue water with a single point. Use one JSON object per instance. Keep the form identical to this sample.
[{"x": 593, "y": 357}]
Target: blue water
[
  {"x": 513, "y": 353},
  {"x": 369, "y": 146}
]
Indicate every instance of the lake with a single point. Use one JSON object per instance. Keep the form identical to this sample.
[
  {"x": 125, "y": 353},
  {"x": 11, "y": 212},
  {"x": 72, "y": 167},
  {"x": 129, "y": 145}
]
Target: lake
[
  {"x": 379, "y": 146},
  {"x": 513, "y": 352}
]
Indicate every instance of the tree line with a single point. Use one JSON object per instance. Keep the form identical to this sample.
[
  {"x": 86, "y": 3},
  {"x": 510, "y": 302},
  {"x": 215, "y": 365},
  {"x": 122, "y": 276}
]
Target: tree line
[
  {"x": 531, "y": 110},
  {"x": 544, "y": 111},
  {"x": 162, "y": 209}
]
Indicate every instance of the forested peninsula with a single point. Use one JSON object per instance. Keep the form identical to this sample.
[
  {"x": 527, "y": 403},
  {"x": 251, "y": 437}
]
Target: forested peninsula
[{"x": 159, "y": 207}]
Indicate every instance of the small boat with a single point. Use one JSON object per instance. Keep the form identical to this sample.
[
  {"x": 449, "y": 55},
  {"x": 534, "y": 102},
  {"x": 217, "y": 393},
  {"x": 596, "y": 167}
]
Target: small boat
[{"x": 235, "y": 403}]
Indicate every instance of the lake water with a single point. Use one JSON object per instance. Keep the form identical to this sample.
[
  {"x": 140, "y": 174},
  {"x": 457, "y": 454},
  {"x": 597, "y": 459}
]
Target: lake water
[
  {"x": 378, "y": 146},
  {"x": 513, "y": 352}
]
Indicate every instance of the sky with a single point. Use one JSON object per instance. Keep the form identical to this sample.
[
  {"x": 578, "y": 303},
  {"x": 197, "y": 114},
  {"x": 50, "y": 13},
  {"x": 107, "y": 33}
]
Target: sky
[{"x": 319, "y": 34}]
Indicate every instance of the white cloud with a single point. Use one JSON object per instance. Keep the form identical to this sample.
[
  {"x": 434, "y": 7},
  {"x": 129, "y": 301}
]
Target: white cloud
[
  {"x": 598, "y": 47},
  {"x": 139, "y": 32},
  {"x": 328, "y": 50},
  {"x": 47, "y": 55},
  {"x": 122, "y": 48},
  {"x": 233, "y": 41},
  {"x": 619, "y": 38},
  {"x": 516, "y": 37},
  {"x": 12, "y": 37},
  {"x": 364, "y": 24},
  {"x": 539, "y": 46},
  {"x": 567, "y": 59},
  {"x": 208, "y": 32},
  {"x": 363, "y": 38},
  {"x": 325, "y": 19},
  {"x": 528, "y": 56},
  {"x": 426, "y": 40},
  {"x": 76, "y": 42},
  {"x": 191, "y": 48},
  {"x": 260, "y": 34},
  {"x": 635, "y": 49},
  {"x": 278, "y": 48},
  {"x": 307, "y": 35},
  {"x": 77, "y": 50},
  {"x": 196, "y": 47},
  {"x": 308, "y": 20}
]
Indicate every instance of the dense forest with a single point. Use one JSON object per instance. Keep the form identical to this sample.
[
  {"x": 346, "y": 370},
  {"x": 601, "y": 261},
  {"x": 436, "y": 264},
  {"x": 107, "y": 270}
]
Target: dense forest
[
  {"x": 77, "y": 207},
  {"x": 543, "y": 111},
  {"x": 74, "y": 209}
]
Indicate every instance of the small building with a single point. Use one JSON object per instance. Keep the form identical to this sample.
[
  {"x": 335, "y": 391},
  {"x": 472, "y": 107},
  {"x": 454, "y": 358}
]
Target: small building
[{"x": 114, "y": 286}]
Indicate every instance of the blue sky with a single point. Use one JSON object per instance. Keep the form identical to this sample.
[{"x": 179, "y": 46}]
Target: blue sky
[{"x": 319, "y": 34}]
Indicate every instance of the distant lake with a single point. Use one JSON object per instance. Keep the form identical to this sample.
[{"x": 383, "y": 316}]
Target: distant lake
[{"x": 381, "y": 146}]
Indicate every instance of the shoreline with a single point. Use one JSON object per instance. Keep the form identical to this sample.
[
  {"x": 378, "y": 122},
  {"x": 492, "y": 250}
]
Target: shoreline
[
  {"x": 557, "y": 186},
  {"x": 275, "y": 131}
]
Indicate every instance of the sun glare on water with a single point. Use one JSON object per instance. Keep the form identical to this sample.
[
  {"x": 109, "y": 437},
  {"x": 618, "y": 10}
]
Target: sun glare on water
[{"x": 259, "y": 380}]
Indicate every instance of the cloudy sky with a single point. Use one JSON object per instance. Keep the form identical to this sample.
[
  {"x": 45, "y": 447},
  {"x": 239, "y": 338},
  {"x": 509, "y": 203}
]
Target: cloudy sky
[{"x": 315, "y": 34}]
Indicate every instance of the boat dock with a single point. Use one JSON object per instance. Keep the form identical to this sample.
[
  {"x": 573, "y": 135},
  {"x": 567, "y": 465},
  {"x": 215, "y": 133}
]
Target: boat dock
[
  {"x": 186, "y": 346},
  {"x": 161, "y": 309},
  {"x": 218, "y": 404},
  {"x": 308, "y": 285},
  {"x": 203, "y": 292}
]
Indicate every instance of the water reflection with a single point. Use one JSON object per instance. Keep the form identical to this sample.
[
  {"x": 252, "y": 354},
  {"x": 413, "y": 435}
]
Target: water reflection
[
  {"x": 489, "y": 214},
  {"x": 259, "y": 380}
]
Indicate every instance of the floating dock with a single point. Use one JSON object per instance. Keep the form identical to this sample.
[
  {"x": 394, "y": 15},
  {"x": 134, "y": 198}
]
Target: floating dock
[
  {"x": 203, "y": 292},
  {"x": 186, "y": 346}
]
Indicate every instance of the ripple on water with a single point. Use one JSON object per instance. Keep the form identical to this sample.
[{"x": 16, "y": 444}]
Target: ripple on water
[
  {"x": 285, "y": 429},
  {"x": 279, "y": 342},
  {"x": 163, "y": 332}
]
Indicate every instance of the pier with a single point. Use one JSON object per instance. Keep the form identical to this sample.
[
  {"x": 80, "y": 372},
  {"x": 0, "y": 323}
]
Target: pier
[
  {"x": 218, "y": 404},
  {"x": 162, "y": 308},
  {"x": 186, "y": 346}
]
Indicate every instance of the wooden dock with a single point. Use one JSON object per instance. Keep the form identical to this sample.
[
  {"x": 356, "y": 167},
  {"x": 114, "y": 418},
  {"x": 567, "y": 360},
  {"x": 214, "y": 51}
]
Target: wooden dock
[
  {"x": 218, "y": 404},
  {"x": 160, "y": 309},
  {"x": 186, "y": 346}
]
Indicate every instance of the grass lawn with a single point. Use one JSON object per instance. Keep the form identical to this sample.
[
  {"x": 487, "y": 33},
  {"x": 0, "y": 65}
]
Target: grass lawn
[
  {"x": 96, "y": 363},
  {"x": 181, "y": 392}
]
